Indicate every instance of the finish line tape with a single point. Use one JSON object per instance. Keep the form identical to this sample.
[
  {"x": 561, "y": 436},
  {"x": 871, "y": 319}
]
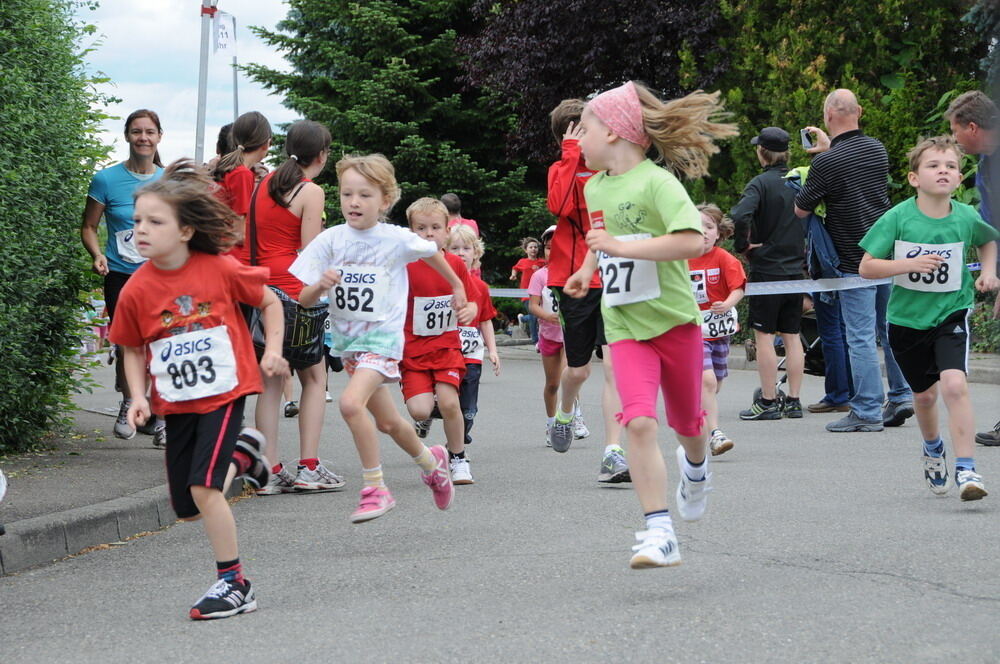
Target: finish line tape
[{"x": 772, "y": 287}]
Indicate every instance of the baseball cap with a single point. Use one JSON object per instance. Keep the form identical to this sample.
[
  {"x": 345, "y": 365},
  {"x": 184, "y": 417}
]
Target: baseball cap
[
  {"x": 548, "y": 231},
  {"x": 774, "y": 139}
]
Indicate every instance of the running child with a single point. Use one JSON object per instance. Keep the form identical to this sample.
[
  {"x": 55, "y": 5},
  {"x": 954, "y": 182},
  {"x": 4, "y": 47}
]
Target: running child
[
  {"x": 479, "y": 337},
  {"x": 433, "y": 364},
  {"x": 179, "y": 316},
  {"x": 364, "y": 263},
  {"x": 921, "y": 243},
  {"x": 644, "y": 228},
  {"x": 717, "y": 281}
]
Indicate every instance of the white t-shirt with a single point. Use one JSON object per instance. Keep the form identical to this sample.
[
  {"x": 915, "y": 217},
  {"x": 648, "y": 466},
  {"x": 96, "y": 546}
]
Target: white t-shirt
[{"x": 368, "y": 307}]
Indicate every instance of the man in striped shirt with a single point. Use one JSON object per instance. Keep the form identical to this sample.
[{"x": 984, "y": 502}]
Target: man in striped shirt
[{"x": 850, "y": 174}]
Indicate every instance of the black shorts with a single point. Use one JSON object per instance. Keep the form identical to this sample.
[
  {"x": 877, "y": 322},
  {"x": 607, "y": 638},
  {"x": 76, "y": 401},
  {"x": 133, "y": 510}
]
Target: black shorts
[
  {"x": 583, "y": 326},
  {"x": 114, "y": 282},
  {"x": 199, "y": 450},
  {"x": 775, "y": 314},
  {"x": 923, "y": 354}
]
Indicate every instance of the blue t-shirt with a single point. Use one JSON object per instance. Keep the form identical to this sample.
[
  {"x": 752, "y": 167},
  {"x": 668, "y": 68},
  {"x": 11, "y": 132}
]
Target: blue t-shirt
[{"x": 114, "y": 188}]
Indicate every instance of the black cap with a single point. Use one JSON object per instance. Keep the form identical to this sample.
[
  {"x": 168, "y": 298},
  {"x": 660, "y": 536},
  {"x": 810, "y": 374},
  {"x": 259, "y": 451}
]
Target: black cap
[{"x": 774, "y": 139}]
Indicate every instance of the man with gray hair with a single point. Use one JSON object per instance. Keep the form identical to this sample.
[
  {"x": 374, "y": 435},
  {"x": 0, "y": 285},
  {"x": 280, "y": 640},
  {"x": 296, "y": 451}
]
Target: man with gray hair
[
  {"x": 975, "y": 122},
  {"x": 850, "y": 173}
]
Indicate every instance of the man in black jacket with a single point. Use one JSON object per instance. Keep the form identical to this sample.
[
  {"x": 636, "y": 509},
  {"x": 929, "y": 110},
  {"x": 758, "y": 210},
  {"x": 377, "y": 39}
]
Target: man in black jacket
[{"x": 773, "y": 237}]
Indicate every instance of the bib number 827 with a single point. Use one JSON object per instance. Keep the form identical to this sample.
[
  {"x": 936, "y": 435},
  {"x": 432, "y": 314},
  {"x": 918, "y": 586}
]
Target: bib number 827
[
  {"x": 186, "y": 373},
  {"x": 354, "y": 298},
  {"x": 611, "y": 273}
]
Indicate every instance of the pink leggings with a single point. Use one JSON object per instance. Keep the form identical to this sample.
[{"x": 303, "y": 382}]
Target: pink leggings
[{"x": 671, "y": 362}]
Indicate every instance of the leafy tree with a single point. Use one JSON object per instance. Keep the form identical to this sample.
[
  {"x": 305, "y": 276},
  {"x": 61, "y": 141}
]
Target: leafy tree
[
  {"x": 47, "y": 154},
  {"x": 984, "y": 17},
  {"x": 382, "y": 76}
]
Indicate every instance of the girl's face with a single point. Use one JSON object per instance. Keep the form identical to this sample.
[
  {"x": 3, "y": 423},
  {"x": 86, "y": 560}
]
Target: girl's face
[
  {"x": 361, "y": 200},
  {"x": 532, "y": 250},
  {"x": 158, "y": 234},
  {"x": 465, "y": 251},
  {"x": 430, "y": 226},
  {"x": 142, "y": 137},
  {"x": 711, "y": 232},
  {"x": 595, "y": 141},
  {"x": 546, "y": 243}
]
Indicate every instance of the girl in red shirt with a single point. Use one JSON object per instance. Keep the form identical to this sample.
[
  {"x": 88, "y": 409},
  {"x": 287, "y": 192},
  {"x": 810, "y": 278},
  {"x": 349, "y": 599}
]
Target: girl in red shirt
[
  {"x": 251, "y": 139},
  {"x": 527, "y": 267},
  {"x": 179, "y": 317}
]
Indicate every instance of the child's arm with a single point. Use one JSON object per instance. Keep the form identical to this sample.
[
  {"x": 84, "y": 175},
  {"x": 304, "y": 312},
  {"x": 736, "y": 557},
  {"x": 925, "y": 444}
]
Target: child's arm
[
  {"x": 490, "y": 341},
  {"x": 535, "y": 308},
  {"x": 727, "y": 304},
  {"x": 987, "y": 280},
  {"x": 311, "y": 294},
  {"x": 135, "y": 376},
  {"x": 579, "y": 282},
  {"x": 513, "y": 273},
  {"x": 670, "y": 247},
  {"x": 458, "y": 298},
  {"x": 883, "y": 268}
]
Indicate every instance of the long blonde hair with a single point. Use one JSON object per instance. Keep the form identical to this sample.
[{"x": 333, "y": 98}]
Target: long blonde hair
[{"x": 684, "y": 130}]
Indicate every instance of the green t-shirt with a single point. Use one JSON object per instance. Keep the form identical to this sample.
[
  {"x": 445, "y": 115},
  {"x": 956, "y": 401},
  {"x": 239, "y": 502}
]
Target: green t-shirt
[
  {"x": 923, "y": 301},
  {"x": 643, "y": 299}
]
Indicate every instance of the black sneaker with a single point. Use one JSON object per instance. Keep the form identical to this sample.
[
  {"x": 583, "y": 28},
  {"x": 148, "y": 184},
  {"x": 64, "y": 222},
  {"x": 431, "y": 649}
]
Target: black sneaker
[
  {"x": 760, "y": 411},
  {"x": 792, "y": 409},
  {"x": 291, "y": 408},
  {"x": 224, "y": 599},
  {"x": 989, "y": 438},
  {"x": 422, "y": 427},
  {"x": 249, "y": 442},
  {"x": 894, "y": 414}
]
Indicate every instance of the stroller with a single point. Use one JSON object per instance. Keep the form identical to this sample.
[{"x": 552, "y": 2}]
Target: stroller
[{"x": 814, "y": 364}]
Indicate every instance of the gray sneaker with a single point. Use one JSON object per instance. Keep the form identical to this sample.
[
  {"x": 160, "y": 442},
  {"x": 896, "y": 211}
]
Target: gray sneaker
[
  {"x": 321, "y": 479},
  {"x": 614, "y": 468},
  {"x": 852, "y": 423},
  {"x": 894, "y": 414},
  {"x": 561, "y": 436},
  {"x": 280, "y": 482},
  {"x": 160, "y": 437},
  {"x": 122, "y": 429}
]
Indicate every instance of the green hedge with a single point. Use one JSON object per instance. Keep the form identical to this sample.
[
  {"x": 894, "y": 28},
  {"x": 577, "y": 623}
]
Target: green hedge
[{"x": 47, "y": 153}]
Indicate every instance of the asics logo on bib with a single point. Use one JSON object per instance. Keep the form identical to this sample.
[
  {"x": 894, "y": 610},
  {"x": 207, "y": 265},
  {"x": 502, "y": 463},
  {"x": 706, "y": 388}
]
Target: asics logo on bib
[
  {"x": 186, "y": 348},
  {"x": 359, "y": 278},
  {"x": 920, "y": 251},
  {"x": 437, "y": 304}
]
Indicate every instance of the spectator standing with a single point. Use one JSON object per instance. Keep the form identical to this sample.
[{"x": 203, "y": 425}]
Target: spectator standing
[
  {"x": 850, "y": 174},
  {"x": 454, "y": 205},
  {"x": 527, "y": 266}
]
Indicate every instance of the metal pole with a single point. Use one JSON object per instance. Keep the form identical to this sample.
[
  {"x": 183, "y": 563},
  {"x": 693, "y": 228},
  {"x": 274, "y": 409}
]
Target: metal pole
[
  {"x": 207, "y": 11},
  {"x": 236, "y": 96}
]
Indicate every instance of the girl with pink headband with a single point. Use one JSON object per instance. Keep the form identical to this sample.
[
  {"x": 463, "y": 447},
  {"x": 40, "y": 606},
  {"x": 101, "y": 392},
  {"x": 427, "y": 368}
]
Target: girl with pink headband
[{"x": 644, "y": 228}]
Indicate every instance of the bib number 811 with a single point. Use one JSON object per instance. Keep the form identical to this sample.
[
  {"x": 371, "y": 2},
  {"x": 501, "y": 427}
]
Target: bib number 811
[
  {"x": 187, "y": 374},
  {"x": 439, "y": 320},
  {"x": 354, "y": 298}
]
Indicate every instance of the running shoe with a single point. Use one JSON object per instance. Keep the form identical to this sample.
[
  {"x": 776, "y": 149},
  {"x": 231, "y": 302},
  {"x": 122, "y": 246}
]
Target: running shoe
[
  {"x": 375, "y": 501},
  {"x": 548, "y": 435},
  {"x": 423, "y": 427},
  {"x": 657, "y": 547},
  {"x": 280, "y": 482},
  {"x": 791, "y": 409},
  {"x": 894, "y": 414},
  {"x": 160, "y": 437},
  {"x": 758, "y": 410},
  {"x": 692, "y": 497},
  {"x": 439, "y": 479},
  {"x": 122, "y": 428},
  {"x": 329, "y": 398},
  {"x": 970, "y": 485},
  {"x": 851, "y": 423},
  {"x": 461, "y": 471},
  {"x": 149, "y": 428},
  {"x": 614, "y": 467},
  {"x": 561, "y": 436},
  {"x": 989, "y": 438},
  {"x": 224, "y": 599},
  {"x": 291, "y": 408},
  {"x": 936, "y": 474},
  {"x": 719, "y": 443},
  {"x": 249, "y": 442},
  {"x": 319, "y": 480}
]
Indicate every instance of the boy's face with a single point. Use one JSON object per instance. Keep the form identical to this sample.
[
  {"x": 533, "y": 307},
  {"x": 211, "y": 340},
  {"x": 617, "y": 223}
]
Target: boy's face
[
  {"x": 361, "y": 200},
  {"x": 938, "y": 174},
  {"x": 710, "y": 232},
  {"x": 430, "y": 226}
]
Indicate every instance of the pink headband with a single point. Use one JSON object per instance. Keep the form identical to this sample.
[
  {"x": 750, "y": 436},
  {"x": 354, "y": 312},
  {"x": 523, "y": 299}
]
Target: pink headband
[{"x": 620, "y": 109}]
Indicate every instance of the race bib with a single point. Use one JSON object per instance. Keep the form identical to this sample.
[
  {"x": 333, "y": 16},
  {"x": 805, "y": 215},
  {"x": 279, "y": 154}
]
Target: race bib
[
  {"x": 945, "y": 279},
  {"x": 125, "y": 241},
  {"x": 550, "y": 301},
  {"x": 361, "y": 294},
  {"x": 472, "y": 343},
  {"x": 194, "y": 365},
  {"x": 628, "y": 280},
  {"x": 699, "y": 286},
  {"x": 714, "y": 326},
  {"x": 433, "y": 316}
]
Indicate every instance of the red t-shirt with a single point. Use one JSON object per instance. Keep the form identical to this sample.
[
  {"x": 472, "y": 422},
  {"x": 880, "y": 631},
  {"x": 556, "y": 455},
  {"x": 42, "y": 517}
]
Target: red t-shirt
[
  {"x": 159, "y": 304},
  {"x": 568, "y": 250},
  {"x": 527, "y": 267},
  {"x": 235, "y": 191},
  {"x": 279, "y": 236},
  {"x": 481, "y": 296},
  {"x": 426, "y": 282},
  {"x": 715, "y": 275}
]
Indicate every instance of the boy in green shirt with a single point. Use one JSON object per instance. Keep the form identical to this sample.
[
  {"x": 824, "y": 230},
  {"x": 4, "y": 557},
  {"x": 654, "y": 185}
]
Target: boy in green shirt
[{"x": 921, "y": 243}]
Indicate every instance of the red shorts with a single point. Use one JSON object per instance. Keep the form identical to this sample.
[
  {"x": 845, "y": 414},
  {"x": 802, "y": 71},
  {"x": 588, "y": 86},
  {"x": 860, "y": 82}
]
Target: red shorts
[
  {"x": 547, "y": 347},
  {"x": 422, "y": 381}
]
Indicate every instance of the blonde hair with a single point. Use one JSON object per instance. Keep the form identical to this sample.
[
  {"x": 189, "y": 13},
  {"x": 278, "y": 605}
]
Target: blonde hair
[
  {"x": 376, "y": 169},
  {"x": 722, "y": 222},
  {"x": 934, "y": 143},
  {"x": 426, "y": 205},
  {"x": 465, "y": 234},
  {"x": 683, "y": 130}
]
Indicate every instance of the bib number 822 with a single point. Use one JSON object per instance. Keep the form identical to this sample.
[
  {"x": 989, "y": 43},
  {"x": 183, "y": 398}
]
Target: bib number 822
[
  {"x": 354, "y": 298},
  {"x": 186, "y": 373}
]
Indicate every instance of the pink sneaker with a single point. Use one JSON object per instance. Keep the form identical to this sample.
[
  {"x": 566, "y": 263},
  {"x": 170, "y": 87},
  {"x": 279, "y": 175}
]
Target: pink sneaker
[
  {"x": 439, "y": 479},
  {"x": 375, "y": 501}
]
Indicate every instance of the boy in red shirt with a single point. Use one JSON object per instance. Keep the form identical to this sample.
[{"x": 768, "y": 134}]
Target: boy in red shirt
[
  {"x": 433, "y": 364},
  {"x": 718, "y": 283}
]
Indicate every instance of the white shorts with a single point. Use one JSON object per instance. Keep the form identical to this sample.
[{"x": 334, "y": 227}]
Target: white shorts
[{"x": 386, "y": 366}]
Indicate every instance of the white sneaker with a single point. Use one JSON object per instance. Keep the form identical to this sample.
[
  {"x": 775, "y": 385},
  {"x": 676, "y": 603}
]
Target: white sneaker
[
  {"x": 461, "y": 472},
  {"x": 548, "y": 435},
  {"x": 280, "y": 482},
  {"x": 719, "y": 443},
  {"x": 329, "y": 398},
  {"x": 692, "y": 497},
  {"x": 580, "y": 429},
  {"x": 657, "y": 547},
  {"x": 317, "y": 480},
  {"x": 970, "y": 485}
]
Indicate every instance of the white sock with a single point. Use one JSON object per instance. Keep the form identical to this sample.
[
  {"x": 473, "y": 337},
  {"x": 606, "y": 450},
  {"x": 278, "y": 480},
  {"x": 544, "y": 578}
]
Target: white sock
[
  {"x": 563, "y": 417},
  {"x": 693, "y": 472},
  {"x": 549, "y": 421},
  {"x": 608, "y": 449},
  {"x": 659, "y": 519},
  {"x": 576, "y": 408}
]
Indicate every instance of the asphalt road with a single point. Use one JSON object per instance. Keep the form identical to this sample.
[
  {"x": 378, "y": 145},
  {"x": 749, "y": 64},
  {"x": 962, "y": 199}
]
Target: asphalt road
[{"x": 816, "y": 547}]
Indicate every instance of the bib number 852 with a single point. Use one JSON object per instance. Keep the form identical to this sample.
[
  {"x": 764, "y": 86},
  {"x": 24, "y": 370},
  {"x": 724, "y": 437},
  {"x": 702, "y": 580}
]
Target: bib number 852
[
  {"x": 187, "y": 374},
  {"x": 354, "y": 298}
]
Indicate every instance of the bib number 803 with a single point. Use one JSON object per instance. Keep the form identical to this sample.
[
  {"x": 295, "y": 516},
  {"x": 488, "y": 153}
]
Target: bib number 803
[
  {"x": 187, "y": 374},
  {"x": 354, "y": 298}
]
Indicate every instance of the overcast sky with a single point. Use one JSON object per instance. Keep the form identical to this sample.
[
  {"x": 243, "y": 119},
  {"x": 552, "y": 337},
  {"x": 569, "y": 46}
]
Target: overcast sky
[{"x": 150, "y": 51}]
